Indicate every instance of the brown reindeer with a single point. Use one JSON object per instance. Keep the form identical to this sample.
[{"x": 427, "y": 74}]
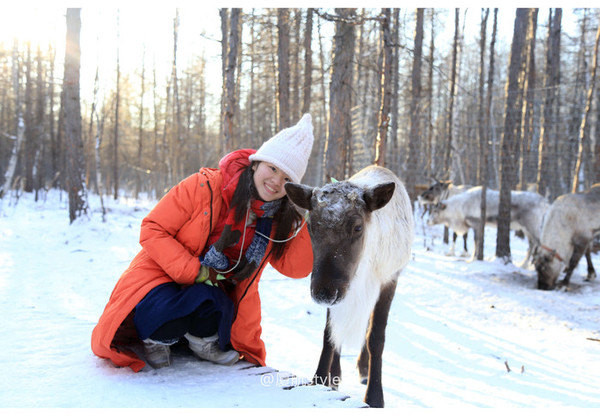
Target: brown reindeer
[{"x": 362, "y": 232}]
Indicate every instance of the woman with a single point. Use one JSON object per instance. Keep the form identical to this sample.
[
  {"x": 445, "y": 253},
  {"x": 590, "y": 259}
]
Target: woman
[{"x": 204, "y": 247}]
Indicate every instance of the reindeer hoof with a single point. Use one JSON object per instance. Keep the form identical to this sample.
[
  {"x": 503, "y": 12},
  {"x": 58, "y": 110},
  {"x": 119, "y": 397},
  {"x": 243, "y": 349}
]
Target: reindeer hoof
[{"x": 591, "y": 276}]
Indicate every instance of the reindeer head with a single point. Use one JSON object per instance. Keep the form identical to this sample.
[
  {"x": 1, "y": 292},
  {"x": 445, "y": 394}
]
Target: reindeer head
[
  {"x": 548, "y": 268},
  {"x": 338, "y": 218},
  {"x": 437, "y": 214},
  {"x": 433, "y": 194}
]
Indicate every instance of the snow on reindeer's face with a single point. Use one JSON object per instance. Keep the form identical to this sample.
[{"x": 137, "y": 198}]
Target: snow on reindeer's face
[{"x": 339, "y": 214}]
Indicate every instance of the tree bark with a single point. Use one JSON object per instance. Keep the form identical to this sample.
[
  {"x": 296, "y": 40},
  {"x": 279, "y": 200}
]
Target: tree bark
[
  {"x": 29, "y": 141},
  {"x": 547, "y": 160},
  {"x": 584, "y": 130},
  {"x": 429, "y": 163},
  {"x": 306, "y": 89},
  {"x": 115, "y": 157},
  {"x": 482, "y": 169},
  {"x": 512, "y": 121},
  {"x": 450, "y": 118},
  {"x": 415, "y": 109},
  {"x": 385, "y": 87},
  {"x": 283, "y": 71},
  {"x": 528, "y": 104},
  {"x": 340, "y": 93},
  {"x": 233, "y": 45},
  {"x": 72, "y": 118},
  {"x": 395, "y": 164},
  {"x": 224, "y": 14},
  {"x": 138, "y": 180}
]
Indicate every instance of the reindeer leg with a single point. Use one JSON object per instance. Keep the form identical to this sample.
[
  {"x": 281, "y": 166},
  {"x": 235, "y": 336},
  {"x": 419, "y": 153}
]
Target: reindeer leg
[
  {"x": 375, "y": 344},
  {"x": 323, "y": 373},
  {"x": 591, "y": 272},
  {"x": 465, "y": 243},
  {"x": 363, "y": 364},
  {"x": 578, "y": 251},
  {"x": 335, "y": 373}
]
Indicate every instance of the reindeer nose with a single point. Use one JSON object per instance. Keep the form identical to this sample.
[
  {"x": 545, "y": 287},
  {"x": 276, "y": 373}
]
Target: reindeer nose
[{"x": 324, "y": 296}]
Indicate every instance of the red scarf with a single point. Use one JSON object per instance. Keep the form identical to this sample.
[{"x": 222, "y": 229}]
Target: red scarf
[{"x": 232, "y": 166}]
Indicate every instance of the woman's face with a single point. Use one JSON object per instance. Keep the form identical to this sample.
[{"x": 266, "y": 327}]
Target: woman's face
[{"x": 269, "y": 181}]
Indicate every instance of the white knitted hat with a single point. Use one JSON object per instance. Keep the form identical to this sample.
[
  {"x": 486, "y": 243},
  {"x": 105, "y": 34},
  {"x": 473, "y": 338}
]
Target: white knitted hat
[{"x": 289, "y": 149}]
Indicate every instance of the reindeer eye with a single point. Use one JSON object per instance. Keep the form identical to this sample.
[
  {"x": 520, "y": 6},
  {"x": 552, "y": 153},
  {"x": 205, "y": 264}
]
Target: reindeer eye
[{"x": 358, "y": 228}]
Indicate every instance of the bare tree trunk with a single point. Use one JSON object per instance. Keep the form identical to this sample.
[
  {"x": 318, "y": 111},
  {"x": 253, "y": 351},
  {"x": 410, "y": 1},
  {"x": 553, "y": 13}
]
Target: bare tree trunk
[
  {"x": 283, "y": 71},
  {"x": 450, "y": 118},
  {"x": 12, "y": 163},
  {"x": 322, "y": 139},
  {"x": 224, "y": 14},
  {"x": 306, "y": 89},
  {"x": 253, "y": 85},
  {"x": 97, "y": 160},
  {"x": 527, "y": 125},
  {"x": 482, "y": 170},
  {"x": 340, "y": 94},
  {"x": 238, "y": 81},
  {"x": 228, "y": 118},
  {"x": 395, "y": 164},
  {"x": 596, "y": 163},
  {"x": 75, "y": 168},
  {"x": 584, "y": 130},
  {"x": 512, "y": 120},
  {"x": 295, "y": 100},
  {"x": 385, "y": 87},
  {"x": 29, "y": 141},
  {"x": 51, "y": 118},
  {"x": 546, "y": 181},
  {"x": 138, "y": 180},
  {"x": 115, "y": 158},
  {"x": 176, "y": 147},
  {"x": 429, "y": 167},
  {"x": 415, "y": 108}
]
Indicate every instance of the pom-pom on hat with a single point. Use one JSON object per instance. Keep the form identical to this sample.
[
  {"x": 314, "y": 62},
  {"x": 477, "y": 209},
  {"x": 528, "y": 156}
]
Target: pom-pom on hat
[{"x": 289, "y": 149}]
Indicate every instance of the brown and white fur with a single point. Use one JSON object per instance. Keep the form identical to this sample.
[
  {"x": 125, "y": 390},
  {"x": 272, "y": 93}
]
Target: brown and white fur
[
  {"x": 441, "y": 190},
  {"x": 362, "y": 231},
  {"x": 569, "y": 227},
  {"x": 463, "y": 212}
]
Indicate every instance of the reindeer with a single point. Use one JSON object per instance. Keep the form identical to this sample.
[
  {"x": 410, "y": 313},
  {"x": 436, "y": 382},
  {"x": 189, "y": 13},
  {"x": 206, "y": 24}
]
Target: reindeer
[
  {"x": 439, "y": 191},
  {"x": 568, "y": 230},
  {"x": 362, "y": 231},
  {"x": 463, "y": 212}
]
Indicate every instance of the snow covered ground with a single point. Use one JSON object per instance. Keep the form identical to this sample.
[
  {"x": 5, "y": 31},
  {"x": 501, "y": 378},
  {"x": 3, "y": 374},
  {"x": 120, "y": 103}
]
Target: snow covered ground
[{"x": 456, "y": 327}]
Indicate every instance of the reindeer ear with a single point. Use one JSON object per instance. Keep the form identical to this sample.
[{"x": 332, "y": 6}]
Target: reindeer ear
[
  {"x": 299, "y": 194},
  {"x": 379, "y": 196}
]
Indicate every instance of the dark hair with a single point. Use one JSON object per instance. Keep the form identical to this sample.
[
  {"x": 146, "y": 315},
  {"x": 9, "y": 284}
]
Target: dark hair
[{"x": 286, "y": 218}]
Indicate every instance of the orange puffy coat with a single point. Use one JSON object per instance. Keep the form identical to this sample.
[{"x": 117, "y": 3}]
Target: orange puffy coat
[{"x": 172, "y": 236}]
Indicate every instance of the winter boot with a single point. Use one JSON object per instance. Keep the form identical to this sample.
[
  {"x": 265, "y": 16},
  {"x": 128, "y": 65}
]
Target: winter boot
[
  {"x": 207, "y": 348},
  {"x": 157, "y": 354}
]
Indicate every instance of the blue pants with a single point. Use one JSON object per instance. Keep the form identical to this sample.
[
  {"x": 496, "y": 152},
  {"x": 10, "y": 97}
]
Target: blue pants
[{"x": 169, "y": 311}]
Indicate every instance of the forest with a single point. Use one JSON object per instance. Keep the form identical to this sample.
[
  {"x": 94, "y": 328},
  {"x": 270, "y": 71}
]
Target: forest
[{"x": 405, "y": 89}]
